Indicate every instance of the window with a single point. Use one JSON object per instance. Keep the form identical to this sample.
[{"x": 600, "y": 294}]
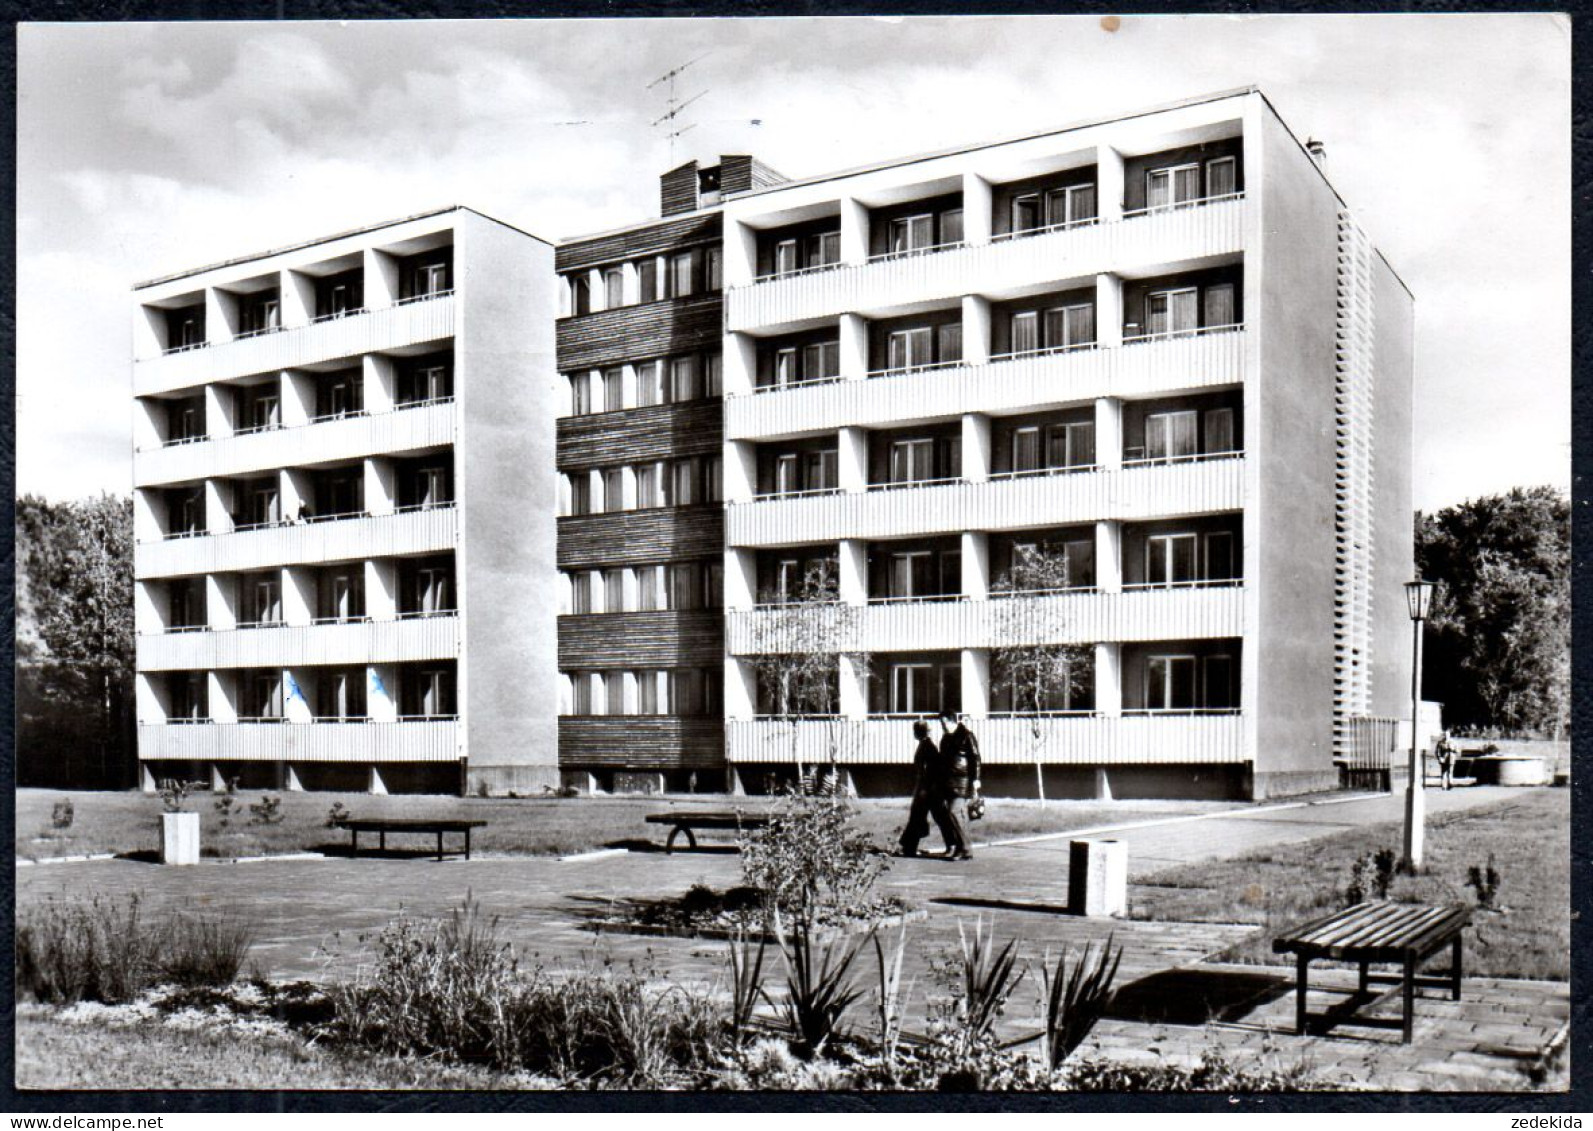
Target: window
[
  {"x": 260, "y": 599},
  {"x": 260, "y": 315},
  {"x": 649, "y": 588},
  {"x": 613, "y": 490},
  {"x": 647, "y": 491},
  {"x": 1025, "y": 331},
  {"x": 1222, "y": 177},
  {"x": 260, "y": 696},
  {"x": 259, "y": 409},
  {"x": 787, "y": 474},
  {"x": 1071, "y": 445},
  {"x": 684, "y": 592},
  {"x": 683, "y": 482},
  {"x": 1170, "y": 683},
  {"x": 912, "y": 574},
  {"x": 581, "y": 593},
  {"x": 712, "y": 375},
  {"x": 426, "y": 381},
  {"x": 1172, "y": 312},
  {"x": 908, "y": 349},
  {"x": 682, "y": 384},
  {"x": 824, "y": 249},
  {"x": 613, "y": 591},
  {"x": 428, "y": 278},
  {"x": 339, "y": 395},
  {"x": 1172, "y": 186},
  {"x": 820, "y": 471},
  {"x": 821, "y": 360},
  {"x": 190, "y": 332},
  {"x": 650, "y": 383},
  {"x": 714, "y": 269},
  {"x": 713, "y": 479},
  {"x": 613, "y": 288},
  {"x": 1072, "y": 205},
  {"x": 1026, "y": 214},
  {"x": 339, "y": 295},
  {"x": 647, "y": 693},
  {"x": 260, "y": 504},
  {"x": 1218, "y": 300},
  {"x": 580, "y": 493},
  {"x": 189, "y": 693},
  {"x": 909, "y": 689},
  {"x": 681, "y": 275},
  {"x": 343, "y": 595},
  {"x": 613, "y": 389},
  {"x": 1222, "y": 689},
  {"x": 687, "y": 696},
  {"x": 949, "y": 342},
  {"x": 787, "y": 369},
  {"x": 431, "y": 693},
  {"x": 1026, "y": 449},
  {"x": 432, "y": 486},
  {"x": 1170, "y": 559},
  {"x": 1170, "y": 435},
  {"x": 185, "y": 605},
  {"x": 581, "y": 393},
  {"x": 1219, "y": 430},
  {"x": 185, "y": 420},
  {"x": 1067, "y": 326},
  {"x": 1219, "y": 556},
  {"x": 580, "y": 295},
  {"x": 951, "y": 226},
  {"x": 647, "y": 280},
  {"x": 713, "y": 585},
  {"x": 580, "y": 693},
  {"x": 340, "y": 696},
  {"x": 912, "y": 233},
  {"x": 912, "y": 461}
]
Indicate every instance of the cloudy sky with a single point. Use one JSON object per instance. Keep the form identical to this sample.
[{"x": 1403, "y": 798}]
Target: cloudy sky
[{"x": 144, "y": 149}]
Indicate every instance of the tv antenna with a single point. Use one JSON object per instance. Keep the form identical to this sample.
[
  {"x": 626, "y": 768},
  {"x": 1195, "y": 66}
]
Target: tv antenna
[{"x": 671, "y": 117}]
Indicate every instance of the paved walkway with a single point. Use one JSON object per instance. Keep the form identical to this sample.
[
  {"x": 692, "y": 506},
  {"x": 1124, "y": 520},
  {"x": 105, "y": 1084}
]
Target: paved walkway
[{"x": 310, "y": 916}]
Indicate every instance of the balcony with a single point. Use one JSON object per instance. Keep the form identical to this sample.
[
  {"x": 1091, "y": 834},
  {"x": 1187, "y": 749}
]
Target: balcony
[
  {"x": 1134, "y": 243},
  {"x": 641, "y": 742},
  {"x": 1146, "y": 491},
  {"x": 1080, "y": 740},
  {"x": 281, "y": 646},
  {"x": 409, "y": 323},
  {"x": 405, "y": 429},
  {"x": 1085, "y": 617},
  {"x": 1011, "y": 384},
  {"x": 349, "y": 539},
  {"x": 416, "y": 740}
]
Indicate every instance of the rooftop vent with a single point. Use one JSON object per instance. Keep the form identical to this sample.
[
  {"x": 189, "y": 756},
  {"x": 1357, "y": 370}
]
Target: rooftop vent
[{"x": 1317, "y": 150}]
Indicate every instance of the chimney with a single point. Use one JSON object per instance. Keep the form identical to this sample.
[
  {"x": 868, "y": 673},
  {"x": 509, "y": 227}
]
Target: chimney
[{"x": 1317, "y": 150}]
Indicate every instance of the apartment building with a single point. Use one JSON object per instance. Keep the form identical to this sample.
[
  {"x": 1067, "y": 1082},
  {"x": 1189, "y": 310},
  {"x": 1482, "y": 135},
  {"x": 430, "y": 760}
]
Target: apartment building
[
  {"x": 1158, "y": 349},
  {"x": 344, "y": 502},
  {"x": 641, "y": 538}
]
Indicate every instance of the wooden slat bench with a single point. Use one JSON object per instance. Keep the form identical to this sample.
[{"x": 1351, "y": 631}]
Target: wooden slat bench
[
  {"x": 381, "y": 826},
  {"x": 688, "y": 821},
  {"x": 1405, "y": 933}
]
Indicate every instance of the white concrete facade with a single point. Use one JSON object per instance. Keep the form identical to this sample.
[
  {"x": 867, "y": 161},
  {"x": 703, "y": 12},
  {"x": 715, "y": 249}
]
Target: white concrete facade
[
  {"x": 1246, "y": 499},
  {"x": 331, "y": 570}
]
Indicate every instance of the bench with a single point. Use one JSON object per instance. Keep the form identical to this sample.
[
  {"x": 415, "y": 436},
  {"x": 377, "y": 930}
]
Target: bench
[
  {"x": 1379, "y": 931},
  {"x": 690, "y": 822},
  {"x": 381, "y": 826}
]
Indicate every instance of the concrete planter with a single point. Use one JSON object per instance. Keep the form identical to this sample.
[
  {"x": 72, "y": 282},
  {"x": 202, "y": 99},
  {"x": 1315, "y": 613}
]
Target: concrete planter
[
  {"x": 179, "y": 839},
  {"x": 1511, "y": 769},
  {"x": 1098, "y": 878}
]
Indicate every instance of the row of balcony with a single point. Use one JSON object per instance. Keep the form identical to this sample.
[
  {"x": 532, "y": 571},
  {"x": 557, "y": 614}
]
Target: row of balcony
[
  {"x": 1185, "y": 612},
  {"x": 1063, "y": 496},
  {"x": 409, "y": 323},
  {"x": 421, "y": 739},
  {"x": 406, "y": 428},
  {"x": 433, "y": 637},
  {"x": 1128, "y": 245},
  {"x": 362, "y": 536},
  {"x": 1147, "y": 738},
  {"x": 1001, "y": 386}
]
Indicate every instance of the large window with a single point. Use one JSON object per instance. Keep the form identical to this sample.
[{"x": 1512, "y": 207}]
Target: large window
[
  {"x": 259, "y": 599},
  {"x": 1189, "y": 182},
  {"x": 427, "y": 275},
  {"x": 257, "y": 504},
  {"x": 338, "y": 296},
  {"x": 1053, "y": 208},
  {"x": 1185, "y": 434},
  {"x": 922, "y": 687},
  {"x": 802, "y": 363},
  {"x": 922, "y": 575},
  {"x": 259, "y": 696},
  {"x": 259, "y": 314},
  {"x": 185, "y": 604},
  {"x": 339, "y": 394},
  {"x": 341, "y": 594},
  {"x": 340, "y": 695},
  {"x": 426, "y": 587},
  {"x": 259, "y": 408},
  {"x": 798, "y": 472},
  {"x": 918, "y": 347},
  {"x": 185, "y": 511},
  {"x": 1191, "y": 683},
  {"x": 428, "y": 692},
  {"x": 1190, "y": 558},
  {"x": 188, "y": 697},
  {"x": 426, "y": 380}
]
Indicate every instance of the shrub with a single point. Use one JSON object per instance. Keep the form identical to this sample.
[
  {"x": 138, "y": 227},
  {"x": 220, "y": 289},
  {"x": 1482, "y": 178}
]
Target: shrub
[
  {"x": 811, "y": 862},
  {"x": 100, "y": 949},
  {"x": 266, "y": 811},
  {"x": 62, "y": 814},
  {"x": 818, "y": 986},
  {"x": 1371, "y": 876},
  {"x": 225, "y": 809},
  {"x": 1486, "y": 882},
  {"x": 1076, "y": 1001},
  {"x": 336, "y": 815},
  {"x": 1214, "y": 1072},
  {"x": 988, "y": 977},
  {"x": 174, "y": 793}
]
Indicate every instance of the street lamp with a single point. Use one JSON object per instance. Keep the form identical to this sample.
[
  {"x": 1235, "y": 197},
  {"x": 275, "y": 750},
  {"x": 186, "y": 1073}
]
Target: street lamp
[{"x": 1419, "y": 601}]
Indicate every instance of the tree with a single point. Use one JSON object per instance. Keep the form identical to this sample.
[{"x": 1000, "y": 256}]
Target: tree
[
  {"x": 75, "y": 640},
  {"x": 1499, "y": 641},
  {"x": 799, "y": 642},
  {"x": 1032, "y": 660}
]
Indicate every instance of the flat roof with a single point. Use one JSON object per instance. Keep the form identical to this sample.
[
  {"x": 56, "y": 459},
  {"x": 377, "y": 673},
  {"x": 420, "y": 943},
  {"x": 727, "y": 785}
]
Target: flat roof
[{"x": 301, "y": 245}]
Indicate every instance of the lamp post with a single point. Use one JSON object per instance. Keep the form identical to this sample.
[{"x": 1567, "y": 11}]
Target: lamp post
[{"x": 1419, "y": 602}]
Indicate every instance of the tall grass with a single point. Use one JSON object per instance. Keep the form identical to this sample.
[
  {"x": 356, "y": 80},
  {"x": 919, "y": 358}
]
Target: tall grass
[
  {"x": 450, "y": 990},
  {"x": 101, "y": 949},
  {"x": 1076, "y": 999}
]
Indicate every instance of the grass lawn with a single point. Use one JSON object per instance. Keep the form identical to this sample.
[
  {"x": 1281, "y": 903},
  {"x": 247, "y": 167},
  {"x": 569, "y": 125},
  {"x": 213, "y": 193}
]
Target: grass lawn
[
  {"x": 1529, "y": 837},
  {"x": 129, "y": 822},
  {"x": 51, "y": 1053}
]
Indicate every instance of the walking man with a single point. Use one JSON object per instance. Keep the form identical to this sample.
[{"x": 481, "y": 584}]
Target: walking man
[
  {"x": 1446, "y": 760},
  {"x": 926, "y": 764},
  {"x": 959, "y": 782}
]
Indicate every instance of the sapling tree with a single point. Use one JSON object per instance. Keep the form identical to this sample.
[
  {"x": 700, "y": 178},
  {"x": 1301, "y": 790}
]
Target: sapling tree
[{"x": 1035, "y": 661}]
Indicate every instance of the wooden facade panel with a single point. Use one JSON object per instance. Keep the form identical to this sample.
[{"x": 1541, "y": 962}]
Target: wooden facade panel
[
  {"x": 664, "y": 639},
  {"x": 642, "y": 332},
  {"x": 640, "y": 537},
  {"x": 634, "y": 434},
  {"x": 655, "y": 239},
  {"x": 641, "y": 743}
]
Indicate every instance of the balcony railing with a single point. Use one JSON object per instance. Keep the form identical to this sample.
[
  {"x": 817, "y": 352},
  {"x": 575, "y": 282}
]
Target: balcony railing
[
  {"x": 1082, "y": 739},
  {"x": 356, "y": 642},
  {"x": 430, "y": 739},
  {"x": 804, "y": 383},
  {"x": 1037, "y": 472},
  {"x": 389, "y": 535},
  {"x": 1073, "y": 616},
  {"x": 1045, "y": 229},
  {"x": 1042, "y": 351},
  {"x": 922, "y": 367},
  {"x": 1191, "y": 332},
  {"x": 904, "y": 484}
]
